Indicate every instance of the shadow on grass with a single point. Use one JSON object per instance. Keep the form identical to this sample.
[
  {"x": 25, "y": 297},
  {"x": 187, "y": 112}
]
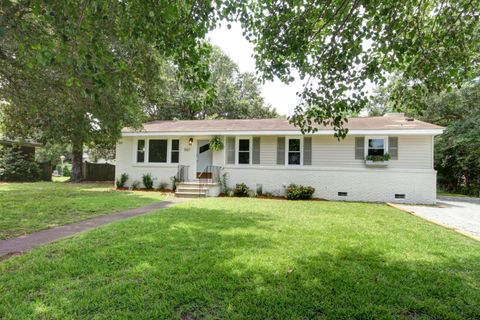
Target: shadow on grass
[{"x": 192, "y": 263}]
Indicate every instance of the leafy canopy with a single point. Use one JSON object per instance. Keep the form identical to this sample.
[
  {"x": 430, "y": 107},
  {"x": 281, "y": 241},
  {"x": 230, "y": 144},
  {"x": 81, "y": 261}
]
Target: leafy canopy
[{"x": 340, "y": 46}]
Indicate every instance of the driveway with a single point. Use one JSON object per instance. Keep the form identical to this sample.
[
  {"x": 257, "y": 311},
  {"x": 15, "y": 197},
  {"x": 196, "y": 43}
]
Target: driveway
[{"x": 456, "y": 212}]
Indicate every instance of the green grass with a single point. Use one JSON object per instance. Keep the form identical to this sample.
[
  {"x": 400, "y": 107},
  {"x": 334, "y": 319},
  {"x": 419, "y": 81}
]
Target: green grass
[
  {"x": 29, "y": 207},
  {"x": 251, "y": 259},
  {"x": 450, "y": 194}
]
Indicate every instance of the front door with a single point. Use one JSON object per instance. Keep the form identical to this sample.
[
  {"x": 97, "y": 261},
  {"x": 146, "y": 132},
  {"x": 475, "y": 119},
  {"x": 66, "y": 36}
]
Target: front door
[{"x": 204, "y": 158}]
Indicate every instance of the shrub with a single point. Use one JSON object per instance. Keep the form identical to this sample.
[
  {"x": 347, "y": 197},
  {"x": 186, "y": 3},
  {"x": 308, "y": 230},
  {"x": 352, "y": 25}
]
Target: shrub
[
  {"x": 241, "y": 190},
  {"x": 123, "y": 179},
  {"x": 162, "y": 185},
  {"x": 135, "y": 185},
  {"x": 147, "y": 181},
  {"x": 66, "y": 171},
  {"x": 17, "y": 166},
  {"x": 174, "y": 180},
  {"x": 224, "y": 183},
  {"x": 298, "y": 192}
]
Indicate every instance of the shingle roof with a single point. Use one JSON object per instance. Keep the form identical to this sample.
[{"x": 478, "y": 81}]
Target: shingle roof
[{"x": 360, "y": 123}]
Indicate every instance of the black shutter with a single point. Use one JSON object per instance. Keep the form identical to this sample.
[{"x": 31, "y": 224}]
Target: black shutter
[{"x": 307, "y": 151}]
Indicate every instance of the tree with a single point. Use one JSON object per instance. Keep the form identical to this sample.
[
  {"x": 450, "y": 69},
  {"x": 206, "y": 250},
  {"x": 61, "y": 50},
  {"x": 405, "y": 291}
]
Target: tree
[
  {"x": 71, "y": 73},
  {"x": 237, "y": 95},
  {"x": 339, "y": 46}
]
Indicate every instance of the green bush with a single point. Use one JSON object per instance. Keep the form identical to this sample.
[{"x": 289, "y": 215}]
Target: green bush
[
  {"x": 16, "y": 166},
  {"x": 384, "y": 157},
  {"x": 135, "y": 185},
  {"x": 241, "y": 190},
  {"x": 123, "y": 179},
  {"x": 147, "y": 181},
  {"x": 298, "y": 192},
  {"x": 66, "y": 171},
  {"x": 163, "y": 185}
]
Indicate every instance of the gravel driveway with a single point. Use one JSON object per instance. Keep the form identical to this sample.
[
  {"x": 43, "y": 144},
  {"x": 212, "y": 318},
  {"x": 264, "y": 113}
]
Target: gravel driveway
[{"x": 456, "y": 212}]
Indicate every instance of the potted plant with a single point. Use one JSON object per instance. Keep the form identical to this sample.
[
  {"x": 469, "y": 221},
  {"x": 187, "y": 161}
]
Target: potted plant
[
  {"x": 377, "y": 160},
  {"x": 216, "y": 143}
]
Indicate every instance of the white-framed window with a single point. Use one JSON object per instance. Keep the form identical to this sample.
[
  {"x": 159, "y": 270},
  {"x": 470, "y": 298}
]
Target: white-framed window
[
  {"x": 244, "y": 150},
  {"x": 294, "y": 151},
  {"x": 376, "y": 146},
  {"x": 140, "y": 154},
  {"x": 157, "y": 151}
]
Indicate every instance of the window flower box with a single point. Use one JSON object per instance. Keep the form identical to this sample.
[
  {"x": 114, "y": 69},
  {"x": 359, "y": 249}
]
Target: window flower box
[
  {"x": 371, "y": 163},
  {"x": 377, "y": 160}
]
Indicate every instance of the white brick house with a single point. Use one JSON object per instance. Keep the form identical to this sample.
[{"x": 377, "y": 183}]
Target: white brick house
[{"x": 271, "y": 153}]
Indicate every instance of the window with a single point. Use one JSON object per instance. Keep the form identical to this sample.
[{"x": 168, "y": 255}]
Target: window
[
  {"x": 157, "y": 151},
  {"x": 399, "y": 196},
  {"x": 342, "y": 194},
  {"x": 174, "y": 156},
  {"x": 244, "y": 151},
  {"x": 294, "y": 151},
  {"x": 376, "y": 147},
  {"x": 141, "y": 151}
]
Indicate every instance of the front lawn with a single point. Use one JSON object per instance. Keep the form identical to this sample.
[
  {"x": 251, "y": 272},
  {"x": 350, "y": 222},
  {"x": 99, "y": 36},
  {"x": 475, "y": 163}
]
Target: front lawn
[
  {"x": 251, "y": 259},
  {"x": 29, "y": 207}
]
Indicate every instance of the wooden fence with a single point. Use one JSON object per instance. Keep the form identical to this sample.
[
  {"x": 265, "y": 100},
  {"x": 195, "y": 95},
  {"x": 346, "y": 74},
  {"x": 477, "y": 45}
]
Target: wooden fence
[{"x": 98, "y": 171}]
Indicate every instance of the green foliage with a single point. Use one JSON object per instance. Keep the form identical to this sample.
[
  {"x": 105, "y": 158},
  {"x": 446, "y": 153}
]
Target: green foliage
[
  {"x": 162, "y": 185},
  {"x": 78, "y": 73},
  {"x": 241, "y": 190},
  {"x": 135, "y": 185},
  {"x": 147, "y": 181},
  {"x": 298, "y": 192},
  {"x": 341, "y": 46},
  {"x": 122, "y": 180},
  {"x": 51, "y": 152},
  {"x": 17, "y": 166},
  {"x": 236, "y": 95},
  {"x": 384, "y": 157},
  {"x": 174, "y": 180},
  {"x": 216, "y": 143},
  {"x": 224, "y": 183},
  {"x": 66, "y": 171}
]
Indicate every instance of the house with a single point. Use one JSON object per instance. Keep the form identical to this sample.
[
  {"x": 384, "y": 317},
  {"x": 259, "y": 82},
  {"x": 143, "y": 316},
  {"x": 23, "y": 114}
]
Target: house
[
  {"x": 269, "y": 154},
  {"x": 26, "y": 147}
]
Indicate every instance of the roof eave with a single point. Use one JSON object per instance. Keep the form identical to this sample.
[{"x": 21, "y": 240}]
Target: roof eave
[{"x": 400, "y": 132}]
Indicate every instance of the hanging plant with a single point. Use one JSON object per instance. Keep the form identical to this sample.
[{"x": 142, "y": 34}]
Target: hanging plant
[{"x": 216, "y": 143}]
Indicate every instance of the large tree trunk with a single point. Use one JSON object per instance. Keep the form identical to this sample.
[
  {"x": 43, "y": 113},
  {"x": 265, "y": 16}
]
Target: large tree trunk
[{"x": 77, "y": 154}]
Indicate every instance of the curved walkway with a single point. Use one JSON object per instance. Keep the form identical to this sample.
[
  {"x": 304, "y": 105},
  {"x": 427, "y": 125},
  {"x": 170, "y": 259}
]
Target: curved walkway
[{"x": 18, "y": 245}]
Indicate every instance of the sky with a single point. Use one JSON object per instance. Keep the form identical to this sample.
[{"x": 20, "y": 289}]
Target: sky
[{"x": 281, "y": 96}]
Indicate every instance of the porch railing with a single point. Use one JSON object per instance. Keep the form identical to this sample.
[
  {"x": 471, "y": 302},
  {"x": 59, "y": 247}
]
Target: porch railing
[
  {"x": 210, "y": 174},
  {"x": 182, "y": 173}
]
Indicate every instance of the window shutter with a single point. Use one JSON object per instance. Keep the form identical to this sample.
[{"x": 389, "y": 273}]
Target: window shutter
[
  {"x": 256, "y": 150},
  {"x": 307, "y": 151},
  {"x": 230, "y": 150},
  {"x": 393, "y": 147},
  {"x": 359, "y": 148},
  {"x": 281, "y": 150}
]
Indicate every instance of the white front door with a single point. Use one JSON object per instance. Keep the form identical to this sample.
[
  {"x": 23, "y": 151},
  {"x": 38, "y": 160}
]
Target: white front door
[{"x": 204, "y": 155}]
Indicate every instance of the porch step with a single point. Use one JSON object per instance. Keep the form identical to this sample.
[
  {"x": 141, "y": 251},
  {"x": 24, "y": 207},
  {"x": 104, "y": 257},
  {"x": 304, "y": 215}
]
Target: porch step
[
  {"x": 187, "y": 194},
  {"x": 196, "y": 189}
]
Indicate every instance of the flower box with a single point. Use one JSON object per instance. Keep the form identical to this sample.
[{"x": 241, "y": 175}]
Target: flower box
[{"x": 371, "y": 163}]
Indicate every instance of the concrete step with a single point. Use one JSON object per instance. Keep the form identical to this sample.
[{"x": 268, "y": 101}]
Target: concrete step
[
  {"x": 196, "y": 183},
  {"x": 185, "y": 194},
  {"x": 192, "y": 188}
]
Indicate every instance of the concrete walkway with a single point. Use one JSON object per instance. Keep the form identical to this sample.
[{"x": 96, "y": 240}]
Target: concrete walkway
[
  {"x": 18, "y": 245},
  {"x": 459, "y": 213}
]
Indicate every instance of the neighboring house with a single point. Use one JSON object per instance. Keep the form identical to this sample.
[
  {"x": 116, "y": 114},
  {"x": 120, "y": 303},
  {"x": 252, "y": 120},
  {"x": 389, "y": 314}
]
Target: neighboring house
[
  {"x": 271, "y": 153},
  {"x": 26, "y": 147}
]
